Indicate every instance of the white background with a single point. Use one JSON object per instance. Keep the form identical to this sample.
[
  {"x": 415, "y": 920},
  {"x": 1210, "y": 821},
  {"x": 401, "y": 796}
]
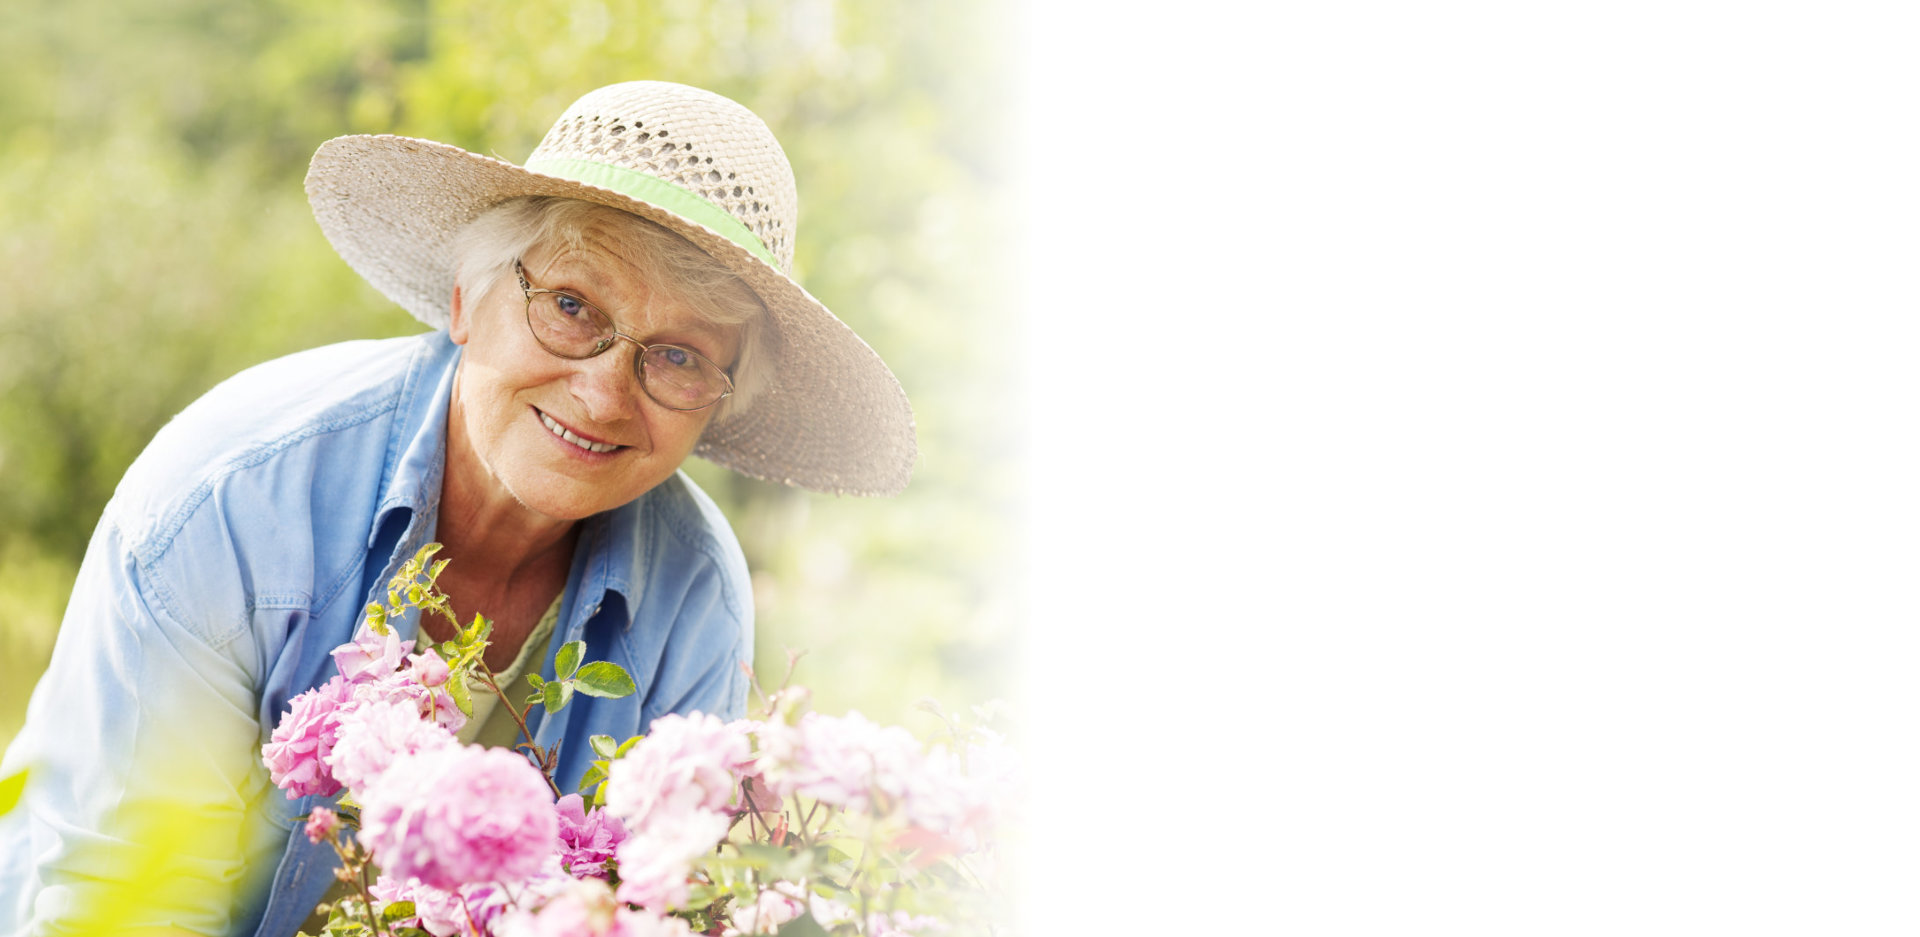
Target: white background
[{"x": 1475, "y": 468}]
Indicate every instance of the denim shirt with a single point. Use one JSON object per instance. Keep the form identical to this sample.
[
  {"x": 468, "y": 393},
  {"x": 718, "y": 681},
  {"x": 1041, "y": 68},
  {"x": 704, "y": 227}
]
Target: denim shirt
[{"x": 241, "y": 547}]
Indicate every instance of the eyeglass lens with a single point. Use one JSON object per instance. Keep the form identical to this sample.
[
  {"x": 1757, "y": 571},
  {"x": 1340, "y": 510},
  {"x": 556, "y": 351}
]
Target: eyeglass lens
[{"x": 674, "y": 377}]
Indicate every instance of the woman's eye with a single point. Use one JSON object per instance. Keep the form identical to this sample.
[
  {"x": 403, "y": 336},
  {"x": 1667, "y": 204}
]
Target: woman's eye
[
  {"x": 569, "y": 305},
  {"x": 676, "y": 356}
]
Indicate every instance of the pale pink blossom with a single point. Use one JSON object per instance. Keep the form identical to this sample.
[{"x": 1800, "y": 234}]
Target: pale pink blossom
[
  {"x": 766, "y": 795},
  {"x": 902, "y": 924},
  {"x": 321, "y": 823},
  {"x": 588, "y": 908},
  {"x": 773, "y": 907},
  {"x": 403, "y": 685},
  {"x": 428, "y": 669},
  {"x": 470, "y": 910},
  {"x": 833, "y": 913},
  {"x": 373, "y": 733},
  {"x": 846, "y": 761},
  {"x": 370, "y": 656},
  {"x": 459, "y": 815},
  {"x": 683, "y": 765},
  {"x": 296, "y": 755},
  {"x": 655, "y": 862},
  {"x": 588, "y": 838}
]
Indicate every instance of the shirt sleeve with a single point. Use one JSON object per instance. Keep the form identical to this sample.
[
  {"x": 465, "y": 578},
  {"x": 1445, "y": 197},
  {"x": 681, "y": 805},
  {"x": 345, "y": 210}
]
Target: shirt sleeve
[{"x": 142, "y": 751}]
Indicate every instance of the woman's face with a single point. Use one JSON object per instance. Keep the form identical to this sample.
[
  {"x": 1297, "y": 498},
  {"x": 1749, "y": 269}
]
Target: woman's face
[{"x": 512, "y": 399}]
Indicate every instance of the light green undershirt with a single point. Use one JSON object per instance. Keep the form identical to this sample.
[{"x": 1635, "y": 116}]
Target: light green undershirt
[{"x": 491, "y": 724}]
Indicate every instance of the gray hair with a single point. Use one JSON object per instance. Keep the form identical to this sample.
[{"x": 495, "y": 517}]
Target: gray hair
[{"x": 485, "y": 250}]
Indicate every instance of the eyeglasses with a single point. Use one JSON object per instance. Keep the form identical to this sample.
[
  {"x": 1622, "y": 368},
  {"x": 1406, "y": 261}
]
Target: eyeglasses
[{"x": 570, "y": 327}]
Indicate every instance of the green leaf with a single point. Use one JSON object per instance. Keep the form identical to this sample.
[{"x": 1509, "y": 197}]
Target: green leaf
[
  {"x": 377, "y": 618},
  {"x": 415, "y": 594},
  {"x": 602, "y": 745},
  {"x": 11, "y": 787},
  {"x": 605, "y": 679},
  {"x": 536, "y": 698},
  {"x": 764, "y": 857},
  {"x": 462, "y": 694},
  {"x": 596, "y": 773},
  {"x": 536, "y": 681},
  {"x": 396, "y": 911},
  {"x": 478, "y": 630},
  {"x": 802, "y": 926},
  {"x": 701, "y": 894},
  {"x": 629, "y": 743},
  {"x": 568, "y": 660},
  {"x": 780, "y": 863},
  {"x": 556, "y": 695},
  {"x": 433, "y": 575}
]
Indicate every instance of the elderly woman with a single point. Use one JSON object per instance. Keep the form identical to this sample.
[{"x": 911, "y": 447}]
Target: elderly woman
[{"x": 619, "y": 303}]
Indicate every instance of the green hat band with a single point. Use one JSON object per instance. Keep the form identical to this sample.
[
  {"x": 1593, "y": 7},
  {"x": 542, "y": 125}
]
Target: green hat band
[{"x": 656, "y": 191}]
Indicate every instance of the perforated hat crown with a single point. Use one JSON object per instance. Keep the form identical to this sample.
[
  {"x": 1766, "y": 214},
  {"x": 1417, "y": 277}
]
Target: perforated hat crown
[{"x": 832, "y": 419}]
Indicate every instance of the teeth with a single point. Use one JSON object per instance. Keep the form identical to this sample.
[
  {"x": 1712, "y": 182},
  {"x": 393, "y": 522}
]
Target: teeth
[{"x": 568, "y": 435}]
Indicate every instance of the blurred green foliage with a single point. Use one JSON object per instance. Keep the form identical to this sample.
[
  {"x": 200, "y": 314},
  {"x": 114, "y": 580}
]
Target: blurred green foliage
[{"x": 157, "y": 239}]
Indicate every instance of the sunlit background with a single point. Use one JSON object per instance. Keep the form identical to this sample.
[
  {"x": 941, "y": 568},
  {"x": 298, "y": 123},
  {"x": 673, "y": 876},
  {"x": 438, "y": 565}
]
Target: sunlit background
[
  {"x": 1532, "y": 553},
  {"x": 155, "y": 239}
]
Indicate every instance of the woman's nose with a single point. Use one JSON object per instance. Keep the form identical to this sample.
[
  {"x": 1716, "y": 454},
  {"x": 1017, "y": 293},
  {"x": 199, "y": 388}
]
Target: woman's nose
[{"x": 608, "y": 386}]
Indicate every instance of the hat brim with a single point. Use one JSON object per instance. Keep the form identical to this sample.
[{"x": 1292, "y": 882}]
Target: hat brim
[{"x": 834, "y": 418}]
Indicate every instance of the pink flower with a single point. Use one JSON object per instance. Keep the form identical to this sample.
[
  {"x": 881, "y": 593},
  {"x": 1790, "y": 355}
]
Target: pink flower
[
  {"x": 683, "y": 765},
  {"x": 588, "y": 908},
  {"x": 766, "y": 795},
  {"x": 443, "y": 913},
  {"x": 902, "y": 924},
  {"x": 654, "y": 863},
  {"x": 372, "y": 734},
  {"x": 296, "y": 755},
  {"x": 321, "y": 823},
  {"x": 403, "y": 685},
  {"x": 587, "y": 839},
  {"x": 428, "y": 669},
  {"x": 848, "y": 762},
  {"x": 370, "y": 656},
  {"x": 771, "y": 909},
  {"x": 459, "y": 815}
]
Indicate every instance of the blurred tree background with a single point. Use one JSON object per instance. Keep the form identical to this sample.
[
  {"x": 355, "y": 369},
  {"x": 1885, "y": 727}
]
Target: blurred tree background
[{"x": 157, "y": 239}]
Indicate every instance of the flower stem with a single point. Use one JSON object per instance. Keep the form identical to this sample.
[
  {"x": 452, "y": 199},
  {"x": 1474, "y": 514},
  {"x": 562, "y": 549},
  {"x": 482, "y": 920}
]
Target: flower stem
[
  {"x": 366, "y": 897},
  {"x": 534, "y": 751}
]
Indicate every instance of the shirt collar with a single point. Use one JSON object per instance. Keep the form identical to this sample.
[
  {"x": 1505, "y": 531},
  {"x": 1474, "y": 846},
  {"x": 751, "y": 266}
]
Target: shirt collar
[{"x": 416, "y": 457}]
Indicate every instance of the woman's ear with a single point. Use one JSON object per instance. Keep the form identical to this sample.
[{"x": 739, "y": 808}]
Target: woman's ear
[{"x": 457, "y": 320}]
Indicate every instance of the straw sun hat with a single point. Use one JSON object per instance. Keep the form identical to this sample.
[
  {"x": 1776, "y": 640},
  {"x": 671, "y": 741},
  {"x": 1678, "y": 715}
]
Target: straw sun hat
[{"x": 834, "y": 418}]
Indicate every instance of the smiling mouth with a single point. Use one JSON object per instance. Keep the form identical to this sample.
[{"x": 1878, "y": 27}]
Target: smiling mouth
[{"x": 553, "y": 426}]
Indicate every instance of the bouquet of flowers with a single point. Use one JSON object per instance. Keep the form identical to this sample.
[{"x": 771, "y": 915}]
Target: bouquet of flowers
[{"x": 790, "y": 823}]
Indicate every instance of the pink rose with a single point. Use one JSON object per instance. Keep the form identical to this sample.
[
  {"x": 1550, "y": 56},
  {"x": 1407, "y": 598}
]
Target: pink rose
[
  {"x": 849, "y": 762},
  {"x": 403, "y": 685},
  {"x": 768, "y": 911},
  {"x": 654, "y": 864},
  {"x": 321, "y": 823},
  {"x": 370, "y": 656},
  {"x": 460, "y": 815},
  {"x": 683, "y": 765},
  {"x": 587, "y": 838},
  {"x": 588, "y": 908},
  {"x": 428, "y": 669},
  {"x": 443, "y": 913},
  {"x": 296, "y": 755},
  {"x": 372, "y": 734}
]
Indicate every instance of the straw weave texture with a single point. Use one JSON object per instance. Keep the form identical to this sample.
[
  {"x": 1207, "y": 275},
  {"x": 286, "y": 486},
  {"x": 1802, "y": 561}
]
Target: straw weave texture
[{"x": 833, "y": 420}]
